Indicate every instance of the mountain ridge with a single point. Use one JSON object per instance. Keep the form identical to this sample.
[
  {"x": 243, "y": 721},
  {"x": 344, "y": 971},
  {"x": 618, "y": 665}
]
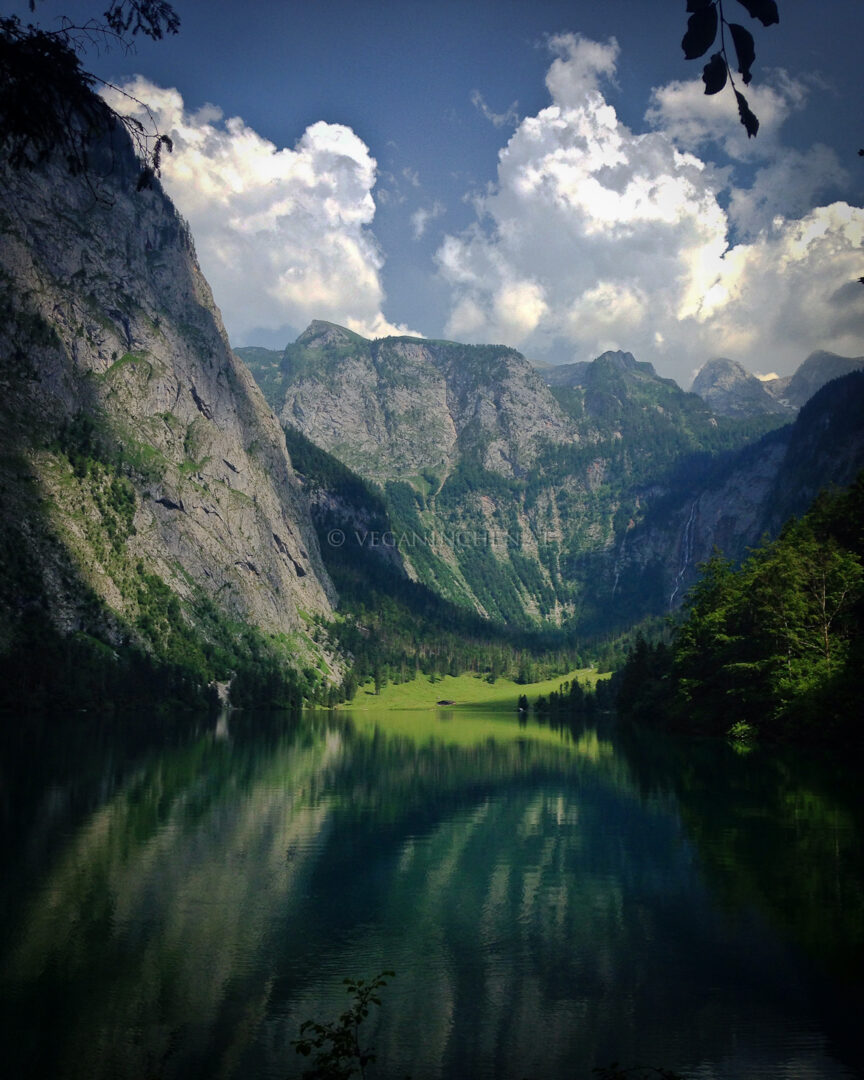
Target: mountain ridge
[
  {"x": 565, "y": 484},
  {"x": 731, "y": 390}
]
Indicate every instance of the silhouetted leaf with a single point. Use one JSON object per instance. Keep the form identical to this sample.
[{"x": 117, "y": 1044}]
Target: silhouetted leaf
[
  {"x": 745, "y": 50},
  {"x": 747, "y": 117},
  {"x": 701, "y": 31},
  {"x": 714, "y": 74},
  {"x": 698, "y": 5},
  {"x": 763, "y": 10}
]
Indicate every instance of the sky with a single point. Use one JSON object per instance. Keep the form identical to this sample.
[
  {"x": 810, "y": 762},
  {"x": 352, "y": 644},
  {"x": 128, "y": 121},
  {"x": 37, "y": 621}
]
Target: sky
[{"x": 544, "y": 175}]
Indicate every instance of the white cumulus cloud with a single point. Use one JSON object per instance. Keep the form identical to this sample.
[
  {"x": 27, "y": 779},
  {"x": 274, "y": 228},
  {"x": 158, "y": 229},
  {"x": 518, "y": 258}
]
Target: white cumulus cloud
[
  {"x": 283, "y": 235},
  {"x": 595, "y": 236},
  {"x": 695, "y": 118},
  {"x": 423, "y": 215}
]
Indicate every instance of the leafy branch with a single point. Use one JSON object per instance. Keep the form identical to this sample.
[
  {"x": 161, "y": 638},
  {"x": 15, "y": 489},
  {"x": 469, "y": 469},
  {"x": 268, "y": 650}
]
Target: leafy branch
[
  {"x": 47, "y": 98},
  {"x": 339, "y": 1053},
  {"x": 707, "y": 19}
]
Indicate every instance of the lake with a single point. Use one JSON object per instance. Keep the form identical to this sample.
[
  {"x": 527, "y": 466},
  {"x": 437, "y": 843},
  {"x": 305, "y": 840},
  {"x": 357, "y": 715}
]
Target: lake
[{"x": 177, "y": 897}]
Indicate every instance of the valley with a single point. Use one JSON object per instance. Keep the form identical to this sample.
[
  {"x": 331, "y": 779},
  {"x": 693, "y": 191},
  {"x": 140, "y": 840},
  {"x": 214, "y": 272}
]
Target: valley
[
  {"x": 533, "y": 686},
  {"x": 203, "y": 525}
]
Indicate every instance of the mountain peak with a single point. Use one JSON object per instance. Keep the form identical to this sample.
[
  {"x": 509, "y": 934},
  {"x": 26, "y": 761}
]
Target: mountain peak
[
  {"x": 721, "y": 367},
  {"x": 319, "y": 334},
  {"x": 731, "y": 390},
  {"x": 583, "y": 371},
  {"x": 617, "y": 359},
  {"x": 819, "y": 368}
]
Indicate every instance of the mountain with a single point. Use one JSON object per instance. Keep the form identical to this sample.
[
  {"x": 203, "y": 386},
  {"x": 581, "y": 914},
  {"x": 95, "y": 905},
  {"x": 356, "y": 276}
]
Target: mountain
[
  {"x": 730, "y": 390},
  {"x": 401, "y": 407},
  {"x": 148, "y": 497},
  {"x": 580, "y": 373},
  {"x": 506, "y": 495},
  {"x": 818, "y": 369},
  {"x": 750, "y": 494}
]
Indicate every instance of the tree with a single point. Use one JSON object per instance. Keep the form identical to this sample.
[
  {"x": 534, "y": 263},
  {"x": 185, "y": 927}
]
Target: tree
[
  {"x": 47, "y": 98},
  {"x": 775, "y": 644},
  {"x": 707, "y": 19}
]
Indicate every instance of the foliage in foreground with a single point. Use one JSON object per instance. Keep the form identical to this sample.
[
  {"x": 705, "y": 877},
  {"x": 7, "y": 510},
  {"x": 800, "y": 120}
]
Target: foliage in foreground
[
  {"x": 775, "y": 647},
  {"x": 339, "y": 1053},
  {"x": 705, "y": 20},
  {"x": 47, "y": 99}
]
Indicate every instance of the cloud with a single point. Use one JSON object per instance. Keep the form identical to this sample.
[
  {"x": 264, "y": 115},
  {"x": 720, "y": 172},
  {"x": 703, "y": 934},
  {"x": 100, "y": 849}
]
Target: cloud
[
  {"x": 787, "y": 186},
  {"x": 694, "y": 118},
  {"x": 509, "y": 118},
  {"x": 283, "y": 235},
  {"x": 421, "y": 217},
  {"x": 597, "y": 237}
]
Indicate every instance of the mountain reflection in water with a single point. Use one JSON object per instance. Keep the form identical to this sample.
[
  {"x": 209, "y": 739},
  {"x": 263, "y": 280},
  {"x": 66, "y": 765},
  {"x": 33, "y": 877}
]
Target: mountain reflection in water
[{"x": 176, "y": 900}]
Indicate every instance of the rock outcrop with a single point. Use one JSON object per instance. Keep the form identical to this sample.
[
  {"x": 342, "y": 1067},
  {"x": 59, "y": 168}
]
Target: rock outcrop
[
  {"x": 133, "y": 441},
  {"x": 397, "y": 406}
]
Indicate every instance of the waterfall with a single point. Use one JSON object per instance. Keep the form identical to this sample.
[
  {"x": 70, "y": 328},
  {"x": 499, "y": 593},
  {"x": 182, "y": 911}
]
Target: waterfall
[{"x": 686, "y": 551}]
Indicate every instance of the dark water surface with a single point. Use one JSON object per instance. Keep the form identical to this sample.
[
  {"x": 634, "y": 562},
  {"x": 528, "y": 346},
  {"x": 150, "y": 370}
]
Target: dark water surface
[{"x": 175, "y": 900}]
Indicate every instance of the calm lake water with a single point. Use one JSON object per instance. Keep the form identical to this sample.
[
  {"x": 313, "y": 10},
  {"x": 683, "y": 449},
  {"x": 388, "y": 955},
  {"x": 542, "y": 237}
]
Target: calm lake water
[{"x": 176, "y": 899}]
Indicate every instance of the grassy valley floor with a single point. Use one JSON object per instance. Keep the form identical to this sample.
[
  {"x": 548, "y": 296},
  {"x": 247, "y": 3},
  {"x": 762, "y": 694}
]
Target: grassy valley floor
[{"x": 463, "y": 692}]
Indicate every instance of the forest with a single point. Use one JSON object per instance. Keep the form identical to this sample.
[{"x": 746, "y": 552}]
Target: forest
[{"x": 772, "y": 648}]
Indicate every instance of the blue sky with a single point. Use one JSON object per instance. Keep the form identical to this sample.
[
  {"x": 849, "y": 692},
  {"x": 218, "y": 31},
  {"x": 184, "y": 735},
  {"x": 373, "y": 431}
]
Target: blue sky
[{"x": 544, "y": 175}]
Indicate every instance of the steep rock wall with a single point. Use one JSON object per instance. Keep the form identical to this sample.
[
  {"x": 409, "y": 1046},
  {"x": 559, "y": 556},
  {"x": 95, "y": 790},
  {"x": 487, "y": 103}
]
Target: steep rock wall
[{"x": 112, "y": 349}]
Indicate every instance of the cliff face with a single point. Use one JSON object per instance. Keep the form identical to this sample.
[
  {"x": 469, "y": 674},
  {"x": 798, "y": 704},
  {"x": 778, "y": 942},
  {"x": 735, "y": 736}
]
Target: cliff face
[
  {"x": 818, "y": 369},
  {"x": 752, "y": 494},
  {"x": 134, "y": 443},
  {"x": 452, "y": 433},
  {"x": 509, "y": 495},
  {"x": 397, "y": 406}
]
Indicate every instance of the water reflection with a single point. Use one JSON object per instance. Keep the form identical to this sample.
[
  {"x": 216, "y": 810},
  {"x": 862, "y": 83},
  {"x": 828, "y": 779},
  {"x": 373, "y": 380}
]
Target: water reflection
[{"x": 176, "y": 902}]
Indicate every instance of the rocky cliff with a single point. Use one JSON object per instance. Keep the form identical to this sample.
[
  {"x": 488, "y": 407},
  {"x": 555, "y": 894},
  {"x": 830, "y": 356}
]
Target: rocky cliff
[
  {"x": 506, "y": 494},
  {"x": 748, "y": 495},
  {"x": 398, "y": 406},
  {"x": 818, "y": 369},
  {"x": 138, "y": 454}
]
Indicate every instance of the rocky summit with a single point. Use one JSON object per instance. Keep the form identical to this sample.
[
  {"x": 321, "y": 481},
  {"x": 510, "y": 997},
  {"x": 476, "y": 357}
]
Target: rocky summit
[{"x": 730, "y": 390}]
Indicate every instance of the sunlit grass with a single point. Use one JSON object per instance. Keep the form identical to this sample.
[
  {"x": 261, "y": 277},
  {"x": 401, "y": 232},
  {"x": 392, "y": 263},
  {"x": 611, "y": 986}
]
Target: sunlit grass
[{"x": 465, "y": 691}]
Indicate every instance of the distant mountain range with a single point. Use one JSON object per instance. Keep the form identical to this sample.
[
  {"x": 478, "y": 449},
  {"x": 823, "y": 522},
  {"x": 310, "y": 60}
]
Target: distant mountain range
[
  {"x": 585, "y": 493},
  {"x": 731, "y": 390}
]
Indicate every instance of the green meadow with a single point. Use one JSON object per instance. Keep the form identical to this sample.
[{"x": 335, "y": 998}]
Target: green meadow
[
  {"x": 464, "y": 691},
  {"x": 481, "y": 712}
]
